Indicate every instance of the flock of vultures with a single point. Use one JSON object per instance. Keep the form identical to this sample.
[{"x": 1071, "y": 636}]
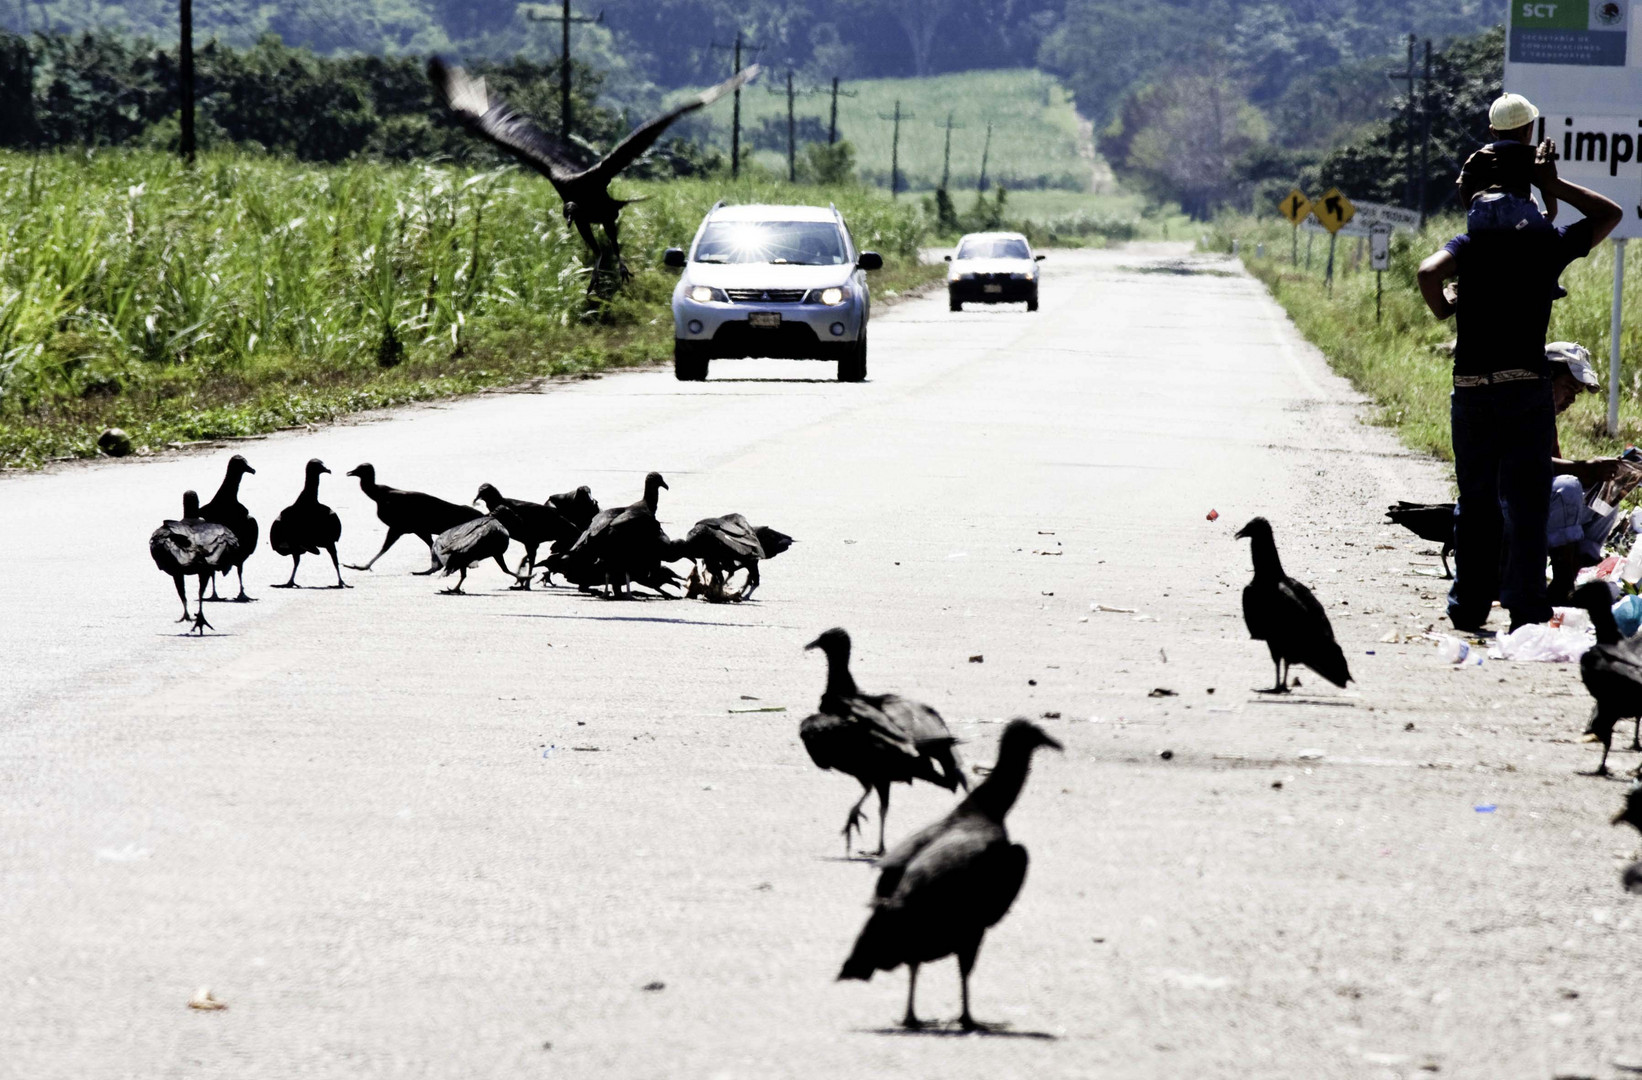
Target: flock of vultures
[{"x": 941, "y": 888}]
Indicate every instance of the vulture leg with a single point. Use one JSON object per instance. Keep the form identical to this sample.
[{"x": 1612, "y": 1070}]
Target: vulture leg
[
  {"x": 883, "y": 812},
  {"x": 243, "y": 598},
  {"x": 1281, "y": 685},
  {"x": 966, "y": 964},
  {"x": 432, "y": 556},
  {"x": 456, "y": 589},
  {"x": 214, "y": 595},
  {"x": 393, "y": 537},
  {"x": 340, "y": 584},
  {"x": 296, "y": 561},
  {"x": 853, "y": 822},
  {"x": 199, "y": 619},
  {"x": 503, "y": 564},
  {"x": 526, "y": 565},
  {"x": 182, "y": 595},
  {"x": 1446, "y": 572},
  {"x": 752, "y": 580},
  {"x": 612, "y": 229},
  {"x": 910, "y": 1021},
  {"x": 1636, "y": 736}
]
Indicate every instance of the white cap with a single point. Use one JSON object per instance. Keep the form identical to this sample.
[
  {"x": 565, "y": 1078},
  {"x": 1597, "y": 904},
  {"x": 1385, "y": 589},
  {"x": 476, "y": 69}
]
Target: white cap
[
  {"x": 1511, "y": 111},
  {"x": 1577, "y": 359}
]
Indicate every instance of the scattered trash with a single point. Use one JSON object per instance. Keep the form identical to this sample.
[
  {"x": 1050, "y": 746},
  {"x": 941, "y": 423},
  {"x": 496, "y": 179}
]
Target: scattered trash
[
  {"x": 656, "y": 985},
  {"x": 1393, "y": 638},
  {"x": 1045, "y": 551},
  {"x": 1606, "y": 570},
  {"x": 1191, "y": 980},
  {"x": 761, "y": 708},
  {"x": 203, "y": 1001},
  {"x": 1114, "y": 609},
  {"x": 1045, "y": 593},
  {"x": 1046, "y": 532},
  {"x": 1161, "y": 655},
  {"x": 1628, "y": 614},
  {"x": 748, "y": 697},
  {"x": 1162, "y": 691},
  {"x": 977, "y": 659},
  {"x": 1409, "y": 726},
  {"x": 1485, "y": 808},
  {"x": 1309, "y": 755},
  {"x": 1213, "y": 515},
  {"x": 1544, "y": 642},
  {"x": 1031, "y": 682},
  {"x": 1370, "y": 652},
  {"x": 764, "y": 886},
  {"x": 1452, "y": 650},
  {"x": 1166, "y": 755},
  {"x": 1277, "y": 785},
  {"x": 1051, "y": 716},
  {"x": 1210, "y": 690},
  {"x": 586, "y": 749}
]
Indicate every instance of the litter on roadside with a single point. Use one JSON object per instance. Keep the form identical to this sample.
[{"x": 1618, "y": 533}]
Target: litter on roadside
[
  {"x": 1563, "y": 640},
  {"x": 203, "y": 1001},
  {"x": 762, "y": 708},
  {"x": 1114, "y": 609}
]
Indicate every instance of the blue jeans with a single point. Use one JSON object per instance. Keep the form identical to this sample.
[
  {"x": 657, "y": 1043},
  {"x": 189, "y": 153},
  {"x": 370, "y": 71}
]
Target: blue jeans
[{"x": 1504, "y": 436}]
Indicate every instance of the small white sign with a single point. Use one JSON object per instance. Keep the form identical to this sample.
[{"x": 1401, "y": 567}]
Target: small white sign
[
  {"x": 1371, "y": 214},
  {"x": 1379, "y": 246}
]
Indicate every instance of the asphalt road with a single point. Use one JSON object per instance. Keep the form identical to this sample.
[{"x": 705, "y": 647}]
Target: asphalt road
[{"x": 537, "y": 834}]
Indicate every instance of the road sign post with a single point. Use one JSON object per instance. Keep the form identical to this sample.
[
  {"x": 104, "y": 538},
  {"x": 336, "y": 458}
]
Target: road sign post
[
  {"x": 1379, "y": 257},
  {"x": 1333, "y": 211},
  {"x": 1578, "y": 63},
  {"x": 1296, "y": 207}
]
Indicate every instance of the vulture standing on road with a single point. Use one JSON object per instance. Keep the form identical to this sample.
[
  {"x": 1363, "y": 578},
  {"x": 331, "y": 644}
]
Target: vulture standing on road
[
  {"x": 878, "y": 739},
  {"x": 530, "y": 524},
  {"x": 620, "y": 545},
  {"x": 408, "y": 513},
  {"x": 585, "y": 191},
  {"x": 224, "y": 509},
  {"x": 1282, "y": 612},
  {"x": 1611, "y": 670},
  {"x": 578, "y": 508},
  {"x": 942, "y": 888},
  {"x": 469, "y": 543},
  {"x": 1428, "y": 521},
  {"x": 721, "y": 546},
  {"x": 307, "y": 527},
  {"x": 196, "y": 548},
  {"x": 1632, "y": 816}
]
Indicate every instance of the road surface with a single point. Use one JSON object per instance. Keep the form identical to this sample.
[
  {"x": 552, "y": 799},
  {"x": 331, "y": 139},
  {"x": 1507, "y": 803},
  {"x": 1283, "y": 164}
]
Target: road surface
[{"x": 539, "y": 834}]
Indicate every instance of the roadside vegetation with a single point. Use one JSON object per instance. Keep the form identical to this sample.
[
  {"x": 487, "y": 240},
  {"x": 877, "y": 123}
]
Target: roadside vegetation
[
  {"x": 254, "y": 293},
  {"x": 1404, "y": 363}
]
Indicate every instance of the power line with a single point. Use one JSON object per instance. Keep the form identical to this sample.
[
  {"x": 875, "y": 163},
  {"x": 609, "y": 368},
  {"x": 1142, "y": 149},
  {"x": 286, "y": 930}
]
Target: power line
[{"x": 565, "y": 20}]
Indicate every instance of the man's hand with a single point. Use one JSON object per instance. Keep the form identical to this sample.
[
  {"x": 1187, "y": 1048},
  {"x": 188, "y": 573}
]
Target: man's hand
[
  {"x": 1594, "y": 471},
  {"x": 1544, "y": 175},
  {"x": 1433, "y": 272}
]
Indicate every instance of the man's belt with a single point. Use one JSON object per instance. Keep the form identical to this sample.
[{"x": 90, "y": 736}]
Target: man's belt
[{"x": 1513, "y": 375}]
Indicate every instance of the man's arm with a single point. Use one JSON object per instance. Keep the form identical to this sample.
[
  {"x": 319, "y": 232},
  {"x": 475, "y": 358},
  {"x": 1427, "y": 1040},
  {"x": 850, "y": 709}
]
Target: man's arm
[
  {"x": 1602, "y": 212},
  {"x": 1433, "y": 272}
]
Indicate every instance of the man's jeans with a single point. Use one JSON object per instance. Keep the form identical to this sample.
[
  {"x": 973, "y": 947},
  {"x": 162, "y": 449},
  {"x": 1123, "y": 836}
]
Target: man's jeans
[{"x": 1504, "y": 437}]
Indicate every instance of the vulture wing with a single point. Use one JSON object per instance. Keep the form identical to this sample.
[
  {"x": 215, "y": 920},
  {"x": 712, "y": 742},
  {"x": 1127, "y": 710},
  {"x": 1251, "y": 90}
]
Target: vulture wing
[
  {"x": 630, "y": 148},
  {"x": 497, "y": 122}
]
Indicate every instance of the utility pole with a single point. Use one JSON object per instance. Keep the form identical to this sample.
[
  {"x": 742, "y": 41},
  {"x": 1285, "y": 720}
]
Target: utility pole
[
  {"x": 185, "y": 77},
  {"x": 735, "y": 117},
  {"x": 792, "y": 135},
  {"x": 1425, "y": 134},
  {"x": 986, "y": 151},
  {"x": 565, "y": 19},
  {"x": 946, "y": 156},
  {"x": 895, "y": 148},
  {"x": 1407, "y": 76},
  {"x": 832, "y": 123}
]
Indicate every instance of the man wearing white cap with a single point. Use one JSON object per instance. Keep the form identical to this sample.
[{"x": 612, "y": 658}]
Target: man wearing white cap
[
  {"x": 1578, "y": 523},
  {"x": 1503, "y": 415}
]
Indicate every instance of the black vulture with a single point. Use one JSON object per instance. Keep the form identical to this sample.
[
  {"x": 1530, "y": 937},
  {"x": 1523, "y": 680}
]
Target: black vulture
[
  {"x": 224, "y": 509},
  {"x": 879, "y": 739},
  {"x": 1631, "y": 815},
  {"x": 578, "y": 508},
  {"x": 721, "y": 546},
  {"x": 468, "y": 543},
  {"x": 1428, "y": 521},
  {"x": 196, "y": 548},
  {"x": 619, "y": 545},
  {"x": 411, "y": 513},
  {"x": 1282, "y": 612},
  {"x": 307, "y": 527},
  {"x": 530, "y": 524},
  {"x": 585, "y": 191},
  {"x": 1611, "y": 670},
  {"x": 942, "y": 888}
]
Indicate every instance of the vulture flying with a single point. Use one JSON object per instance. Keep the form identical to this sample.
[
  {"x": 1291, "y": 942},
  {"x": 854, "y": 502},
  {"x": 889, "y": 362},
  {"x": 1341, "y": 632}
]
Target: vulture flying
[{"x": 585, "y": 191}]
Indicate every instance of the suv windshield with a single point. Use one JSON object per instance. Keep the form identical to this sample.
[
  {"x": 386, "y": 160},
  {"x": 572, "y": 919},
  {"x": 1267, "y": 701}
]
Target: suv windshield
[
  {"x": 793, "y": 243},
  {"x": 994, "y": 249}
]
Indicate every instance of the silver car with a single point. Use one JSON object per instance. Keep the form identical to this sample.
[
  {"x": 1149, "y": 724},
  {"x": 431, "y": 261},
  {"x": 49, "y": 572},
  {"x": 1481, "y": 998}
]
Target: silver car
[{"x": 783, "y": 281}]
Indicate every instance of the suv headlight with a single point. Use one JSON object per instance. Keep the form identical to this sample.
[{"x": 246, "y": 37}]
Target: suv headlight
[
  {"x": 831, "y": 297},
  {"x": 1026, "y": 276},
  {"x": 702, "y": 294}
]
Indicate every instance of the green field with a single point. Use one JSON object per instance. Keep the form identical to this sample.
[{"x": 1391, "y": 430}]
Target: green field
[
  {"x": 1035, "y": 129},
  {"x": 252, "y": 293},
  {"x": 1401, "y": 363}
]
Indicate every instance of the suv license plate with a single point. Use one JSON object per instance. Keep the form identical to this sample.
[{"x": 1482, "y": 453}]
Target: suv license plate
[
  {"x": 765, "y": 320},
  {"x": 992, "y": 288}
]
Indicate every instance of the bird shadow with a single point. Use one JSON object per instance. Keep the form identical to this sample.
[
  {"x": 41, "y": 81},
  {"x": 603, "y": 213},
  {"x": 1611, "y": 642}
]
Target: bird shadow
[
  {"x": 940, "y": 1029},
  {"x": 751, "y": 379},
  {"x": 620, "y": 618},
  {"x": 870, "y": 860}
]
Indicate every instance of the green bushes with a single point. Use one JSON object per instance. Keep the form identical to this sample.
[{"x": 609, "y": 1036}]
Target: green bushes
[{"x": 252, "y": 292}]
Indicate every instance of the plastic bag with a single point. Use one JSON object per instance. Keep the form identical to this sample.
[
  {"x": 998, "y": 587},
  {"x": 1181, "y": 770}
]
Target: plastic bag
[
  {"x": 1542, "y": 641},
  {"x": 1628, "y": 614}
]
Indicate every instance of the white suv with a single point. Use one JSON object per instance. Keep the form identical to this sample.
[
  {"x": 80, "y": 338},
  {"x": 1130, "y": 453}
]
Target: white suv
[{"x": 780, "y": 281}]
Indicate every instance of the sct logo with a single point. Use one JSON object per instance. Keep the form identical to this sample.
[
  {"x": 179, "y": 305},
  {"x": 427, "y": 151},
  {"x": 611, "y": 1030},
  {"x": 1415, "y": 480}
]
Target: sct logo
[
  {"x": 1552, "y": 14},
  {"x": 1539, "y": 11}
]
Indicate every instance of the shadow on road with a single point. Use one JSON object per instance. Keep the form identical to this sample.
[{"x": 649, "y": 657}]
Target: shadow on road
[
  {"x": 950, "y": 1030},
  {"x": 623, "y": 618}
]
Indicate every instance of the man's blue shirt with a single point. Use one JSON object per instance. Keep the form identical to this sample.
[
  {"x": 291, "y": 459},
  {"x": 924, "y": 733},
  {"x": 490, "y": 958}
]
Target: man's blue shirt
[{"x": 1506, "y": 282}]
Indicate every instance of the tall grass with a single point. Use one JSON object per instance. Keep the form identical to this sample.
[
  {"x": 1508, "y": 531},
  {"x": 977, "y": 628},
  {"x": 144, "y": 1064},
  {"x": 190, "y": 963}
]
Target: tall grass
[
  {"x": 1403, "y": 362},
  {"x": 252, "y": 292}
]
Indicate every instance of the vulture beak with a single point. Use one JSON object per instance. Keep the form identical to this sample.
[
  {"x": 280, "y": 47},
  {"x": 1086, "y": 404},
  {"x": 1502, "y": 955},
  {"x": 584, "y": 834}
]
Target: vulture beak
[
  {"x": 816, "y": 644},
  {"x": 250, "y": 470},
  {"x": 664, "y": 484},
  {"x": 1617, "y": 818},
  {"x": 352, "y": 472},
  {"x": 1052, "y": 744},
  {"x": 323, "y": 469},
  {"x": 1241, "y": 533}
]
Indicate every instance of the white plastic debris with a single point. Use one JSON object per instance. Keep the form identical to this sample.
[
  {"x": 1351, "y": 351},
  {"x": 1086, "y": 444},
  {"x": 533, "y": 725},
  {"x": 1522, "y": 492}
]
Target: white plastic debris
[
  {"x": 1452, "y": 650},
  {"x": 1563, "y": 644}
]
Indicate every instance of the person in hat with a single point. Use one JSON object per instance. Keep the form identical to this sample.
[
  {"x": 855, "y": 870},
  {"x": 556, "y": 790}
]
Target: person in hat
[
  {"x": 1575, "y": 529},
  {"x": 1494, "y": 183},
  {"x": 1502, "y": 409}
]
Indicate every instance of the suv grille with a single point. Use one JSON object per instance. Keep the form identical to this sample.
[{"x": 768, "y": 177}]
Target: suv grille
[{"x": 770, "y": 296}]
